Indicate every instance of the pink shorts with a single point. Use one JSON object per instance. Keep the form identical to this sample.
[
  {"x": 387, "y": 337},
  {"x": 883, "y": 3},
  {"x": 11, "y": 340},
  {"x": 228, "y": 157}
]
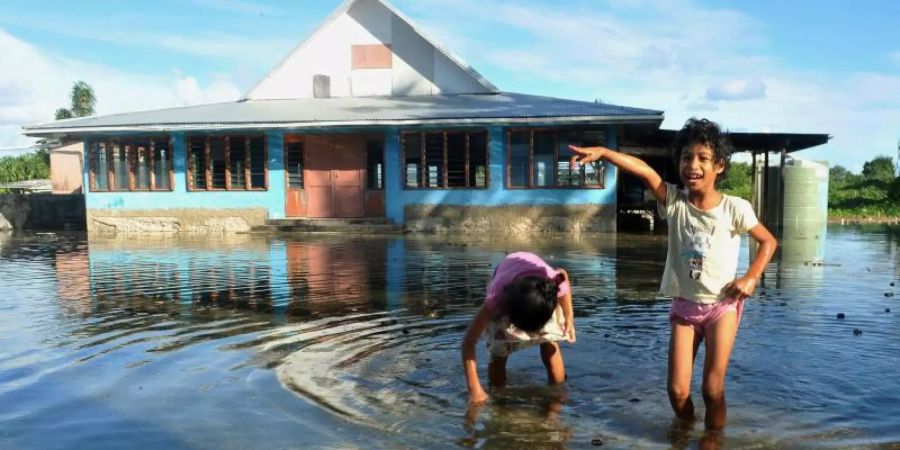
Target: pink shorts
[{"x": 699, "y": 316}]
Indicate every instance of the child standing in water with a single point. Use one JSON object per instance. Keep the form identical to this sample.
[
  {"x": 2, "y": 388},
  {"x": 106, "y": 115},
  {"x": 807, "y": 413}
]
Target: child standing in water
[
  {"x": 700, "y": 275},
  {"x": 528, "y": 303}
]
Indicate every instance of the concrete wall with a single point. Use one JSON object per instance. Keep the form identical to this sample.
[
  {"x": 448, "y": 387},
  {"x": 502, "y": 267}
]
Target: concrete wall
[
  {"x": 41, "y": 212},
  {"x": 66, "y": 166},
  {"x": 181, "y": 210}
]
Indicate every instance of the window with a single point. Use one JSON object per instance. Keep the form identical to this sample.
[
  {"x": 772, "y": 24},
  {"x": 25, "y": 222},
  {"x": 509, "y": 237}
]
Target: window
[
  {"x": 237, "y": 147},
  {"x": 375, "y": 165},
  {"x": 412, "y": 157},
  {"x": 137, "y": 164},
  {"x": 540, "y": 159},
  {"x": 295, "y": 165},
  {"x": 445, "y": 160},
  {"x": 376, "y": 56},
  {"x": 233, "y": 163}
]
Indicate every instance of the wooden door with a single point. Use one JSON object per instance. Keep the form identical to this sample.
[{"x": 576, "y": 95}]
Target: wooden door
[
  {"x": 318, "y": 173},
  {"x": 334, "y": 176},
  {"x": 347, "y": 180}
]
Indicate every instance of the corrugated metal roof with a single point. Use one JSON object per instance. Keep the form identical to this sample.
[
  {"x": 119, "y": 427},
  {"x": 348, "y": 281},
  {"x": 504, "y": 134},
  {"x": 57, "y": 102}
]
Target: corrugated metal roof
[{"x": 356, "y": 111}]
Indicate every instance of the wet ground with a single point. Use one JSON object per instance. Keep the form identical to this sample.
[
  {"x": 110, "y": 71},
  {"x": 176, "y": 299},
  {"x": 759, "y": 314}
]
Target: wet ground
[{"x": 256, "y": 342}]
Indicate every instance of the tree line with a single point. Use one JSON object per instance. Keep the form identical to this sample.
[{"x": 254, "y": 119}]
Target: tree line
[
  {"x": 36, "y": 166},
  {"x": 873, "y": 192}
]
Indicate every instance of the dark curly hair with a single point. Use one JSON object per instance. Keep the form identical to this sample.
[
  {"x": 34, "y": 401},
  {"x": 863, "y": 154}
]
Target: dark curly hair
[
  {"x": 704, "y": 132},
  {"x": 529, "y": 302}
]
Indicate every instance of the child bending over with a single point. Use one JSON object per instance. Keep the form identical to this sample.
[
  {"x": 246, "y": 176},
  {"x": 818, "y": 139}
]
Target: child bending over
[{"x": 528, "y": 303}]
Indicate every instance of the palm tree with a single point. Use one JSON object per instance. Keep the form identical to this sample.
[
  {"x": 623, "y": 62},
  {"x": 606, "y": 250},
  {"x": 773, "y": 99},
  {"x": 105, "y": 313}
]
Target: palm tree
[
  {"x": 63, "y": 113},
  {"x": 83, "y": 101}
]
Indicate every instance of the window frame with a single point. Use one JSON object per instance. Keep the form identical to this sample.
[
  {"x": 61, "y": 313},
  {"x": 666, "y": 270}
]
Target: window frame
[
  {"x": 226, "y": 139},
  {"x": 93, "y": 149},
  {"x": 423, "y": 174},
  {"x": 555, "y": 172}
]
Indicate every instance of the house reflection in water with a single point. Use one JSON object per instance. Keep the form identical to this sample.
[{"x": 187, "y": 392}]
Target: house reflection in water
[{"x": 302, "y": 277}]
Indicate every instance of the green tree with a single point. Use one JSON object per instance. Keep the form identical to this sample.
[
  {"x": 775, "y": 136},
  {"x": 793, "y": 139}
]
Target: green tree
[
  {"x": 63, "y": 113},
  {"x": 30, "y": 166},
  {"x": 881, "y": 168},
  {"x": 738, "y": 181},
  {"x": 82, "y": 102},
  {"x": 83, "y": 99},
  {"x": 839, "y": 174}
]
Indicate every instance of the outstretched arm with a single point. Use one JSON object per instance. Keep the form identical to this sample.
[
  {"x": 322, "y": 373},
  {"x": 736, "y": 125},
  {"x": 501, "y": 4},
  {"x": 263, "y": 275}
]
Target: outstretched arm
[
  {"x": 477, "y": 395},
  {"x": 744, "y": 286},
  {"x": 628, "y": 163}
]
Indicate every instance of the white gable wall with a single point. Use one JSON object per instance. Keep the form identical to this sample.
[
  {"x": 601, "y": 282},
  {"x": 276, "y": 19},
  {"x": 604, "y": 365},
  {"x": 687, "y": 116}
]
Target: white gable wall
[{"x": 418, "y": 67}]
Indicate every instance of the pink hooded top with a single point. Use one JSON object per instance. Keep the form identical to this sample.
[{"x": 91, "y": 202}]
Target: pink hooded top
[{"x": 520, "y": 264}]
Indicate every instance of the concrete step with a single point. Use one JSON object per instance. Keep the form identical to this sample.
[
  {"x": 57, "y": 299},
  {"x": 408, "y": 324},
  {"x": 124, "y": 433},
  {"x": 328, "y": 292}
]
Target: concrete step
[
  {"x": 329, "y": 222},
  {"x": 325, "y": 228}
]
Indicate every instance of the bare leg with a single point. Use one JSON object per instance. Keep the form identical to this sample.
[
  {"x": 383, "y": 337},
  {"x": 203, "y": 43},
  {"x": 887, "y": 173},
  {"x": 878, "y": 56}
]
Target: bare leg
[
  {"x": 719, "y": 343},
  {"x": 497, "y": 372},
  {"x": 553, "y": 362},
  {"x": 682, "y": 351}
]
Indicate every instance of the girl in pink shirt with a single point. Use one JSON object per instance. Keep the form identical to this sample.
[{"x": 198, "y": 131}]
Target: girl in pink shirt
[{"x": 528, "y": 303}]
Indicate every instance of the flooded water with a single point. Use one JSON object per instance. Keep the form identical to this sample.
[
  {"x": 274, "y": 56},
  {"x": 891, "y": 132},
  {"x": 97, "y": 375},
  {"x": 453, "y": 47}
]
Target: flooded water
[{"x": 258, "y": 342}]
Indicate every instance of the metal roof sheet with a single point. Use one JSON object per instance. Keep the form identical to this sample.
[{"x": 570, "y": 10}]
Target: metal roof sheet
[{"x": 356, "y": 111}]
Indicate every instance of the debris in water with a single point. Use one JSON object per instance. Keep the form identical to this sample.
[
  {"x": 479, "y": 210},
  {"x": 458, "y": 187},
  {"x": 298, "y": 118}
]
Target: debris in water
[
  {"x": 596, "y": 442},
  {"x": 841, "y": 315},
  {"x": 857, "y": 332}
]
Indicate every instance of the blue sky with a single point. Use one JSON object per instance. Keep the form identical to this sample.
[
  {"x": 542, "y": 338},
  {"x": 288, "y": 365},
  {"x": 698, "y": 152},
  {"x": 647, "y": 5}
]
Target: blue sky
[{"x": 823, "y": 66}]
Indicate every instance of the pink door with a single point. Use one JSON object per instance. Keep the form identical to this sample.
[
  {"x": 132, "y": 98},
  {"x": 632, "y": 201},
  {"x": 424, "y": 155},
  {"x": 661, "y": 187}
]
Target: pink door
[
  {"x": 335, "y": 167},
  {"x": 318, "y": 173},
  {"x": 347, "y": 179}
]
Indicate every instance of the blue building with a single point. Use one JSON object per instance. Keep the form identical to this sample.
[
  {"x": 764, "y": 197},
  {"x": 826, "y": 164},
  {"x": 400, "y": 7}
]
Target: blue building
[{"x": 366, "y": 118}]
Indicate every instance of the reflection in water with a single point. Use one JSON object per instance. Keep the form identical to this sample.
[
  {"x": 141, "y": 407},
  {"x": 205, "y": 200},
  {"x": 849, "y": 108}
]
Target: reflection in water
[
  {"x": 153, "y": 337},
  {"x": 518, "y": 418}
]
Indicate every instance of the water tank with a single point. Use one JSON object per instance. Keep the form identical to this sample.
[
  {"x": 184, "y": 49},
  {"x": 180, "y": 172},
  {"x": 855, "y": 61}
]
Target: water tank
[
  {"x": 805, "y": 205},
  {"x": 796, "y": 207}
]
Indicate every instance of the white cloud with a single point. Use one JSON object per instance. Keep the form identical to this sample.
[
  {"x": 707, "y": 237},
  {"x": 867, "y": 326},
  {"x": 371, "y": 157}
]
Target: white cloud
[
  {"x": 236, "y": 6},
  {"x": 702, "y": 106},
  {"x": 34, "y": 84},
  {"x": 189, "y": 92},
  {"x": 676, "y": 56},
  {"x": 894, "y": 56},
  {"x": 230, "y": 46},
  {"x": 737, "y": 89}
]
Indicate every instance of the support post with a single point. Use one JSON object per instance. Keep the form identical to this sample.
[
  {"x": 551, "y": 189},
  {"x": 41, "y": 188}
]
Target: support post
[
  {"x": 765, "y": 196},
  {"x": 781, "y": 190}
]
